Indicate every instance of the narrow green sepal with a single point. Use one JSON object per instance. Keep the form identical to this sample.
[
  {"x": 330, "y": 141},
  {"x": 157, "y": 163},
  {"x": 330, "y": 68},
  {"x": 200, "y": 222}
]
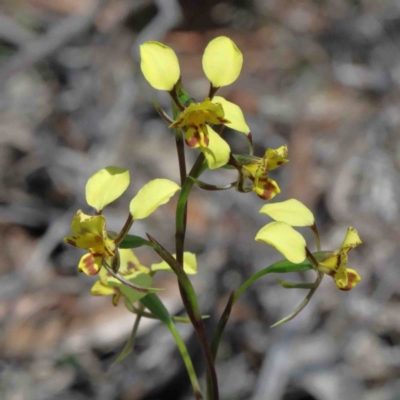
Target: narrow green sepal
[
  {"x": 228, "y": 167},
  {"x": 129, "y": 306},
  {"x": 130, "y": 343},
  {"x": 295, "y": 285},
  {"x": 162, "y": 113},
  {"x": 207, "y": 186},
  {"x": 280, "y": 267},
  {"x": 129, "y": 284},
  {"x": 302, "y": 305},
  {"x": 245, "y": 159}
]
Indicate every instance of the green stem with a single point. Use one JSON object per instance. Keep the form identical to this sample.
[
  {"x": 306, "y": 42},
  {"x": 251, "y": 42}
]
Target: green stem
[
  {"x": 180, "y": 148},
  {"x": 154, "y": 304},
  {"x": 219, "y": 330},
  {"x": 191, "y": 304},
  {"x": 181, "y": 208},
  {"x": 212, "y": 91},
  {"x": 221, "y": 326},
  {"x": 316, "y": 236},
  {"x": 187, "y": 292},
  {"x": 124, "y": 230}
]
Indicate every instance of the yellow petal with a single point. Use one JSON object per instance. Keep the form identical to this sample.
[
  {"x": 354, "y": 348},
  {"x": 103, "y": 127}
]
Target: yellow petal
[
  {"x": 189, "y": 264},
  {"x": 105, "y": 186},
  {"x": 222, "y": 61},
  {"x": 83, "y": 222},
  {"x": 266, "y": 188},
  {"x": 90, "y": 264},
  {"x": 159, "y": 65},
  {"x": 129, "y": 263},
  {"x": 90, "y": 233},
  {"x": 99, "y": 289},
  {"x": 152, "y": 195},
  {"x": 234, "y": 114},
  {"x": 217, "y": 152},
  {"x": 200, "y": 113},
  {"x": 351, "y": 240},
  {"x": 276, "y": 157},
  {"x": 291, "y": 211},
  {"x": 341, "y": 279},
  {"x": 285, "y": 239},
  {"x": 352, "y": 279}
]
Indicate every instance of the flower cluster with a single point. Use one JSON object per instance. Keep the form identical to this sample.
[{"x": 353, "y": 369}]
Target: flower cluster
[
  {"x": 199, "y": 124},
  {"x": 203, "y": 122},
  {"x": 89, "y": 232}
]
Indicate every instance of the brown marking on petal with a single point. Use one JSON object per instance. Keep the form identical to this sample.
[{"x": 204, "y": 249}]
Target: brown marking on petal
[
  {"x": 206, "y": 140},
  {"x": 279, "y": 162},
  {"x": 351, "y": 277},
  {"x": 71, "y": 242},
  {"x": 338, "y": 261},
  {"x": 330, "y": 272},
  {"x": 88, "y": 261},
  {"x": 98, "y": 239},
  {"x": 194, "y": 140},
  {"x": 222, "y": 120},
  {"x": 268, "y": 190},
  {"x": 131, "y": 266}
]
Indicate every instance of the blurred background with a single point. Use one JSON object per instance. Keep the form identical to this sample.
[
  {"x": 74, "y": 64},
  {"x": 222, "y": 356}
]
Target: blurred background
[{"x": 321, "y": 76}]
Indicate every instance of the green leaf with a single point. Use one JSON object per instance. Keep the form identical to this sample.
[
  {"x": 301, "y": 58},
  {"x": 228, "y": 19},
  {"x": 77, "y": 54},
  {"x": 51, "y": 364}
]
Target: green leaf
[
  {"x": 154, "y": 304},
  {"x": 132, "y": 242}
]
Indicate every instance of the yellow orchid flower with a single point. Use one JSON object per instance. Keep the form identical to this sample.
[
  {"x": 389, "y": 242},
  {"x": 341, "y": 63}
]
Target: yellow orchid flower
[
  {"x": 89, "y": 232},
  {"x": 222, "y": 63},
  {"x": 256, "y": 169},
  {"x": 292, "y": 245},
  {"x": 335, "y": 264},
  {"x": 194, "y": 118},
  {"x": 106, "y": 185},
  {"x": 131, "y": 270}
]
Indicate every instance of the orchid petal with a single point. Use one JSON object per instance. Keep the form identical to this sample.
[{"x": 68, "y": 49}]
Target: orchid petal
[
  {"x": 217, "y": 152},
  {"x": 233, "y": 114},
  {"x": 105, "y": 186},
  {"x": 159, "y": 65},
  {"x": 222, "y": 61},
  {"x": 291, "y": 211},
  {"x": 290, "y": 243},
  {"x": 151, "y": 196}
]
